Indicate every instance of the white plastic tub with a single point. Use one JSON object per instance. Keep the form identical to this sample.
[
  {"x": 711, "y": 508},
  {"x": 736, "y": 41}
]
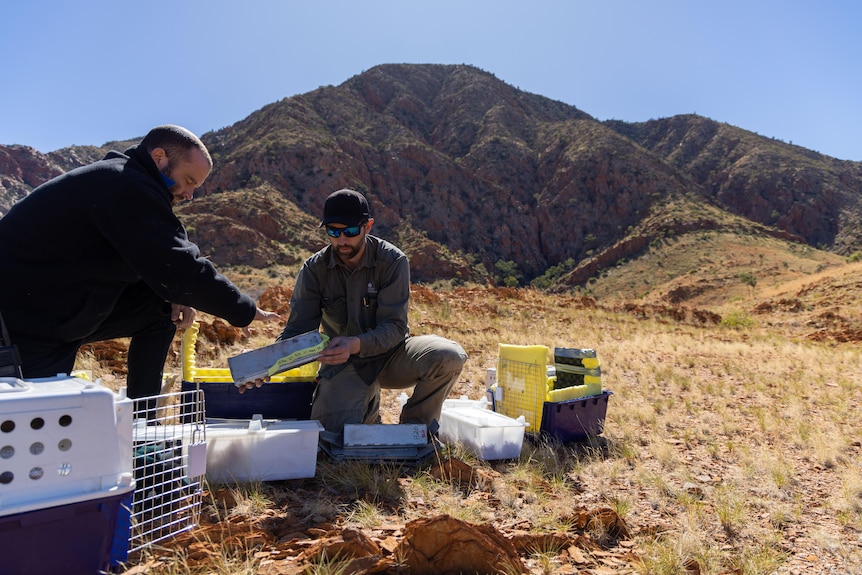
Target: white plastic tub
[
  {"x": 486, "y": 434},
  {"x": 261, "y": 450},
  {"x": 463, "y": 401}
]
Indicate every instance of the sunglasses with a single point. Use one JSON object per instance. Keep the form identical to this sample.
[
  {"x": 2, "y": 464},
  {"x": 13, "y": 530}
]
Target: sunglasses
[{"x": 350, "y": 232}]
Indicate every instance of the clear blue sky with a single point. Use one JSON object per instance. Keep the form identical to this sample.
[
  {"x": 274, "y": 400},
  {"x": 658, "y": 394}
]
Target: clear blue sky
[{"x": 87, "y": 72}]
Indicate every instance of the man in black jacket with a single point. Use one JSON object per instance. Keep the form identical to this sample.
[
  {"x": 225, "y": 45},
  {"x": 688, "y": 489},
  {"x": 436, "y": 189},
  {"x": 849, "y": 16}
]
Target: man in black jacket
[{"x": 97, "y": 253}]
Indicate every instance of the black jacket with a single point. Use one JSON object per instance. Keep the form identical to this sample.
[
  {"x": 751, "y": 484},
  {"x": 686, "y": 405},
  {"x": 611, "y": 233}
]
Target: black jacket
[{"x": 70, "y": 248}]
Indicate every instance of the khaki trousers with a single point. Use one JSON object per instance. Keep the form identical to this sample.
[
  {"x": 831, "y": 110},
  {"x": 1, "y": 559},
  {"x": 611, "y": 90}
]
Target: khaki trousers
[{"x": 429, "y": 363}]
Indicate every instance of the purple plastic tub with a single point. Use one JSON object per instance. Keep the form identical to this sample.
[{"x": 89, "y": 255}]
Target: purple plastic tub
[
  {"x": 575, "y": 419},
  {"x": 72, "y": 539}
]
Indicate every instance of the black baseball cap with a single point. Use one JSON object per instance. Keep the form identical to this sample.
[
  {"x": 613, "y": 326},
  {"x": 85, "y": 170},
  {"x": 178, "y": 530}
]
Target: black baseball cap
[{"x": 346, "y": 207}]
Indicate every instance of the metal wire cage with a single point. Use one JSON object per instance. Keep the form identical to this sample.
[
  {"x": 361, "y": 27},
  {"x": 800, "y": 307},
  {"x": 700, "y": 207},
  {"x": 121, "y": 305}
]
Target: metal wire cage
[
  {"x": 520, "y": 390},
  {"x": 169, "y": 437}
]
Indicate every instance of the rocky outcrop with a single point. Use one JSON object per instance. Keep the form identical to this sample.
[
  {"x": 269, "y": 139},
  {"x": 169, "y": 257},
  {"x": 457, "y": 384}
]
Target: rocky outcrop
[
  {"x": 444, "y": 544},
  {"x": 21, "y": 169},
  {"x": 27, "y": 165}
]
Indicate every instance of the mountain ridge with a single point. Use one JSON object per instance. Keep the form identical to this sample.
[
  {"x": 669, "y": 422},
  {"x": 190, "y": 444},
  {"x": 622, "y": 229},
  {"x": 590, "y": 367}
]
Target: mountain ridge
[{"x": 493, "y": 184}]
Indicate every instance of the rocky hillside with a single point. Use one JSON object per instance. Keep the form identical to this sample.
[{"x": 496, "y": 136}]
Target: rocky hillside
[
  {"x": 770, "y": 182},
  {"x": 22, "y": 168},
  {"x": 479, "y": 180}
]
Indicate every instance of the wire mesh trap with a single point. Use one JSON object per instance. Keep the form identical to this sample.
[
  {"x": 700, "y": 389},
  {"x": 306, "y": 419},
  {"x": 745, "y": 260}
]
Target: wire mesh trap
[{"x": 169, "y": 437}]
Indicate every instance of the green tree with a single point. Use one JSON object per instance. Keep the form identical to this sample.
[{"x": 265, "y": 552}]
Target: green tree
[
  {"x": 749, "y": 279},
  {"x": 507, "y": 273},
  {"x": 552, "y": 274}
]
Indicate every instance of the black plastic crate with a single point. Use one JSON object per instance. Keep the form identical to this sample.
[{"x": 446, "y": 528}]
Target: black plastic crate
[
  {"x": 274, "y": 400},
  {"x": 575, "y": 419},
  {"x": 73, "y": 538}
]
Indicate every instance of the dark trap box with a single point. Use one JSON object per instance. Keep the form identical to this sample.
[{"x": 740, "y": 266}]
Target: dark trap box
[
  {"x": 274, "y": 400},
  {"x": 404, "y": 443},
  {"x": 575, "y": 419},
  {"x": 286, "y": 396},
  {"x": 575, "y": 367},
  {"x": 76, "y": 538}
]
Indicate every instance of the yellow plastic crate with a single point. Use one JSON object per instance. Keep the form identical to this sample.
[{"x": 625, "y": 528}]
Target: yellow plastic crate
[
  {"x": 192, "y": 373},
  {"x": 522, "y": 382},
  {"x": 524, "y": 385}
]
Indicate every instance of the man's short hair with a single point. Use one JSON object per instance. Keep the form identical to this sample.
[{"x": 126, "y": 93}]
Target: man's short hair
[{"x": 176, "y": 141}]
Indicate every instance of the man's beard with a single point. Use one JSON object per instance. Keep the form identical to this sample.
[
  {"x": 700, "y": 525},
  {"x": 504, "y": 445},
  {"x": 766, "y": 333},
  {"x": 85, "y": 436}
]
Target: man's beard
[
  {"x": 348, "y": 253},
  {"x": 166, "y": 173}
]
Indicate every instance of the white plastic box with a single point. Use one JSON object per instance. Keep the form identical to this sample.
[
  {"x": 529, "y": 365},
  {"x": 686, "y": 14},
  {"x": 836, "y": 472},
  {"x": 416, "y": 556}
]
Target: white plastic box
[
  {"x": 486, "y": 434},
  {"x": 261, "y": 450},
  {"x": 62, "y": 440},
  {"x": 482, "y": 403}
]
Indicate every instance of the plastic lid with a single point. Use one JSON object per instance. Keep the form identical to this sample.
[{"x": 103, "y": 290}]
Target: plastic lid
[{"x": 12, "y": 384}]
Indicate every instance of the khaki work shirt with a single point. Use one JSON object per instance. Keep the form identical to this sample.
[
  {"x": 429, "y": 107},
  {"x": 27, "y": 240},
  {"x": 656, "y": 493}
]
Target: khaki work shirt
[{"x": 370, "y": 302}]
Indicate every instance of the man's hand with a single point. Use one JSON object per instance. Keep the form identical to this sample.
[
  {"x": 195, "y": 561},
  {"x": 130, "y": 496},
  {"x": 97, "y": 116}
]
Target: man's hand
[
  {"x": 183, "y": 316},
  {"x": 339, "y": 350},
  {"x": 251, "y": 384},
  {"x": 261, "y": 315}
]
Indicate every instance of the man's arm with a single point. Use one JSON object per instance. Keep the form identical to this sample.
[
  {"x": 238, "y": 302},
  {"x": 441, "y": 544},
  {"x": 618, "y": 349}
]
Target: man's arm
[{"x": 139, "y": 224}]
